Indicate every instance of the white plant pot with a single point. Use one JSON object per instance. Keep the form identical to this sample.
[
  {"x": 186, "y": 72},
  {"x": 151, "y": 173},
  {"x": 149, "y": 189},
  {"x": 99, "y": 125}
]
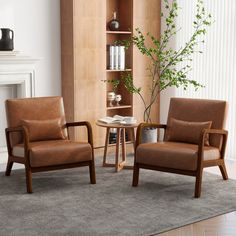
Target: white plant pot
[{"x": 149, "y": 135}]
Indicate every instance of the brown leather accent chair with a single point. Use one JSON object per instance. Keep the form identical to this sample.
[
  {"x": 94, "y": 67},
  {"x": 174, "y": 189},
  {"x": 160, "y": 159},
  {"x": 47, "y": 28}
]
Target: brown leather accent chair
[
  {"x": 37, "y": 136},
  {"x": 194, "y": 138}
]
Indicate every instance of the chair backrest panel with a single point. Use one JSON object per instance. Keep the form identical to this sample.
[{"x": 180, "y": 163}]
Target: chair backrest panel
[
  {"x": 199, "y": 110},
  {"x": 40, "y": 108}
]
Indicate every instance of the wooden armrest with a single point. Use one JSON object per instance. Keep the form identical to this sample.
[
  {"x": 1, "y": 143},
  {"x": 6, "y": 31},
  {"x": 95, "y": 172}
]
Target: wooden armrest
[
  {"x": 21, "y": 129},
  {"x": 14, "y": 129},
  {"x": 146, "y": 125},
  {"x": 222, "y": 132},
  {"x": 152, "y": 125},
  {"x": 216, "y": 131},
  {"x": 83, "y": 123}
]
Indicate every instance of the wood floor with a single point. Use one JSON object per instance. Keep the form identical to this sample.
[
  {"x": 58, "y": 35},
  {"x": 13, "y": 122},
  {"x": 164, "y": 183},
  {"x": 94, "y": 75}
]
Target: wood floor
[{"x": 224, "y": 225}]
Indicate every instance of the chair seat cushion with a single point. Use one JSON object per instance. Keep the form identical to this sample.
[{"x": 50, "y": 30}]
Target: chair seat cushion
[
  {"x": 173, "y": 155},
  {"x": 55, "y": 152}
]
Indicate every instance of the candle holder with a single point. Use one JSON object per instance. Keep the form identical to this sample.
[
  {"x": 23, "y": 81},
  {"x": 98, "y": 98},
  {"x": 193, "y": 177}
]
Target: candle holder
[
  {"x": 118, "y": 98},
  {"x": 111, "y": 97}
]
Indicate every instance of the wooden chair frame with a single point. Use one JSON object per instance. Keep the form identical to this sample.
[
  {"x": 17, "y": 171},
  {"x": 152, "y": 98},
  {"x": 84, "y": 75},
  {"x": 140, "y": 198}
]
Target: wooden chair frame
[
  {"x": 26, "y": 160},
  {"x": 200, "y": 162}
]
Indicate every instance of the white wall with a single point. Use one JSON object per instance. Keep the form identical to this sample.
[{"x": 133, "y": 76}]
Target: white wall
[
  {"x": 216, "y": 67},
  {"x": 36, "y": 24}
]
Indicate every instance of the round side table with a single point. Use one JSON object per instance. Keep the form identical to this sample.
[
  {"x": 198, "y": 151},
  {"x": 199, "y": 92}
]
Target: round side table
[{"x": 120, "y": 139}]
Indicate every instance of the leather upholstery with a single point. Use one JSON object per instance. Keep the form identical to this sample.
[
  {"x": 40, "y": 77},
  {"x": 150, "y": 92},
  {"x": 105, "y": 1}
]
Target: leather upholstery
[
  {"x": 55, "y": 152},
  {"x": 182, "y": 156},
  {"x": 39, "y": 130},
  {"x": 188, "y": 132},
  {"x": 43, "y": 119},
  {"x": 174, "y": 155},
  {"x": 198, "y": 110},
  {"x": 44, "y": 108}
]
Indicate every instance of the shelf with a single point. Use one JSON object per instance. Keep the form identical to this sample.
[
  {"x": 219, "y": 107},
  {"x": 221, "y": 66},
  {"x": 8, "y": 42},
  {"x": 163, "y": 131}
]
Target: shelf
[
  {"x": 118, "y": 32},
  {"x": 119, "y": 107},
  {"x": 113, "y": 144},
  {"x": 126, "y": 142},
  {"x": 108, "y": 70}
]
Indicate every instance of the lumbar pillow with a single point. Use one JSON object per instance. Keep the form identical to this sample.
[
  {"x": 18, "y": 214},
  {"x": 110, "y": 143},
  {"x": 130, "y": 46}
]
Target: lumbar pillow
[
  {"x": 44, "y": 129},
  {"x": 186, "y": 131}
]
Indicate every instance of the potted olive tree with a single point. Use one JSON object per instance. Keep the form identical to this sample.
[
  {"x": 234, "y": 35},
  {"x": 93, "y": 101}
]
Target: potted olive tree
[{"x": 168, "y": 67}]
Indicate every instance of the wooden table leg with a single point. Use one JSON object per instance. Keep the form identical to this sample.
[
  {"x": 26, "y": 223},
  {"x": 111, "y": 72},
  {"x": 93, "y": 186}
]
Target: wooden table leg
[
  {"x": 117, "y": 149},
  {"x": 106, "y": 145},
  {"x": 120, "y": 140},
  {"x": 123, "y": 145}
]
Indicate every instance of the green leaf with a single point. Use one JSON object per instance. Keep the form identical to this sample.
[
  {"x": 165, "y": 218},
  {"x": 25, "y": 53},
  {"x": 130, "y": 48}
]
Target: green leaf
[{"x": 166, "y": 65}]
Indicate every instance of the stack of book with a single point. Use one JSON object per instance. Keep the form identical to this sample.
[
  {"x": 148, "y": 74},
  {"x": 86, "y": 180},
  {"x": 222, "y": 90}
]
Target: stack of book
[
  {"x": 117, "y": 119},
  {"x": 113, "y": 136},
  {"x": 116, "y": 57}
]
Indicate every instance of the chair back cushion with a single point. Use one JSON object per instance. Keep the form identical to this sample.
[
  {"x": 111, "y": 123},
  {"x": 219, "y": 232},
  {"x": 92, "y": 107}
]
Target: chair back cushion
[
  {"x": 197, "y": 110},
  {"x": 40, "y": 130},
  {"x": 188, "y": 132},
  {"x": 44, "y": 118}
]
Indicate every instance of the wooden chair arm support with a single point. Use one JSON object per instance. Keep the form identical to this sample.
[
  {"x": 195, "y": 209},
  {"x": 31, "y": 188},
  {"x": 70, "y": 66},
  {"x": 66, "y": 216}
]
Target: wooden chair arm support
[
  {"x": 223, "y": 133},
  {"x": 14, "y": 129},
  {"x": 217, "y": 131},
  {"x": 21, "y": 129},
  {"x": 88, "y": 126},
  {"x": 146, "y": 125}
]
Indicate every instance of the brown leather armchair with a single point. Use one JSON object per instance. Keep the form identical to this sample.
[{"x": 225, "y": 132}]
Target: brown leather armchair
[
  {"x": 37, "y": 136},
  {"x": 193, "y": 139}
]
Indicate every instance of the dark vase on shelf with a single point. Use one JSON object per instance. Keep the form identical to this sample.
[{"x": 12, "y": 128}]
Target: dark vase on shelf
[
  {"x": 114, "y": 24},
  {"x": 6, "y": 39}
]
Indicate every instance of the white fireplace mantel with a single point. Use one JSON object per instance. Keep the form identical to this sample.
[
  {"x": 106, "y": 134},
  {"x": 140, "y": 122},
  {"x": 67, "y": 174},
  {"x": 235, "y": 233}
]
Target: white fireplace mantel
[
  {"x": 18, "y": 69},
  {"x": 16, "y": 59},
  {"x": 17, "y": 80}
]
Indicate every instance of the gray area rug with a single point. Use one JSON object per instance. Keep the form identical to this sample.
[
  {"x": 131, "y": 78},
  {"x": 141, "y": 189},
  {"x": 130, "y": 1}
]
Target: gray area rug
[{"x": 64, "y": 203}]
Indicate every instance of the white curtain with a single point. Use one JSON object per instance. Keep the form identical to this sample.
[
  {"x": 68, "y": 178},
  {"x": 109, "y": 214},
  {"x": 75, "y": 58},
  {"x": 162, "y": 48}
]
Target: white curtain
[{"x": 216, "y": 67}]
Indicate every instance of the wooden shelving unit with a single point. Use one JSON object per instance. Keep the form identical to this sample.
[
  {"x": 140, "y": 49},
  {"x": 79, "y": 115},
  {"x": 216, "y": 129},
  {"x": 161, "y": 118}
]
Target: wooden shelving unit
[
  {"x": 83, "y": 62},
  {"x": 124, "y": 10},
  {"x": 84, "y": 40}
]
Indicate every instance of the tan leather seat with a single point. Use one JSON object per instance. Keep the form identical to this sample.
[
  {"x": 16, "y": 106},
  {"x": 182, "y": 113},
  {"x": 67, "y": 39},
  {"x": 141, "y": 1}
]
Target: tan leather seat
[
  {"x": 174, "y": 155},
  {"x": 37, "y": 136},
  {"x": 55, "y": 152},
  {"x": 194, "y": 138}
]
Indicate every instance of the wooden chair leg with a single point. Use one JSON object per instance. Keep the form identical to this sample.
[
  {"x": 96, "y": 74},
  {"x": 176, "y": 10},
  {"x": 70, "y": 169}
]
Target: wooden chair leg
[
  {"x": 92, "y": 173},
  {"x": 198, "y": 184},
  {"x": 223, "y": 171},
  {"x": 28, "y": 175},
  {"x": 9, "y": 167},
  {"x": 135, "y": 175}
]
